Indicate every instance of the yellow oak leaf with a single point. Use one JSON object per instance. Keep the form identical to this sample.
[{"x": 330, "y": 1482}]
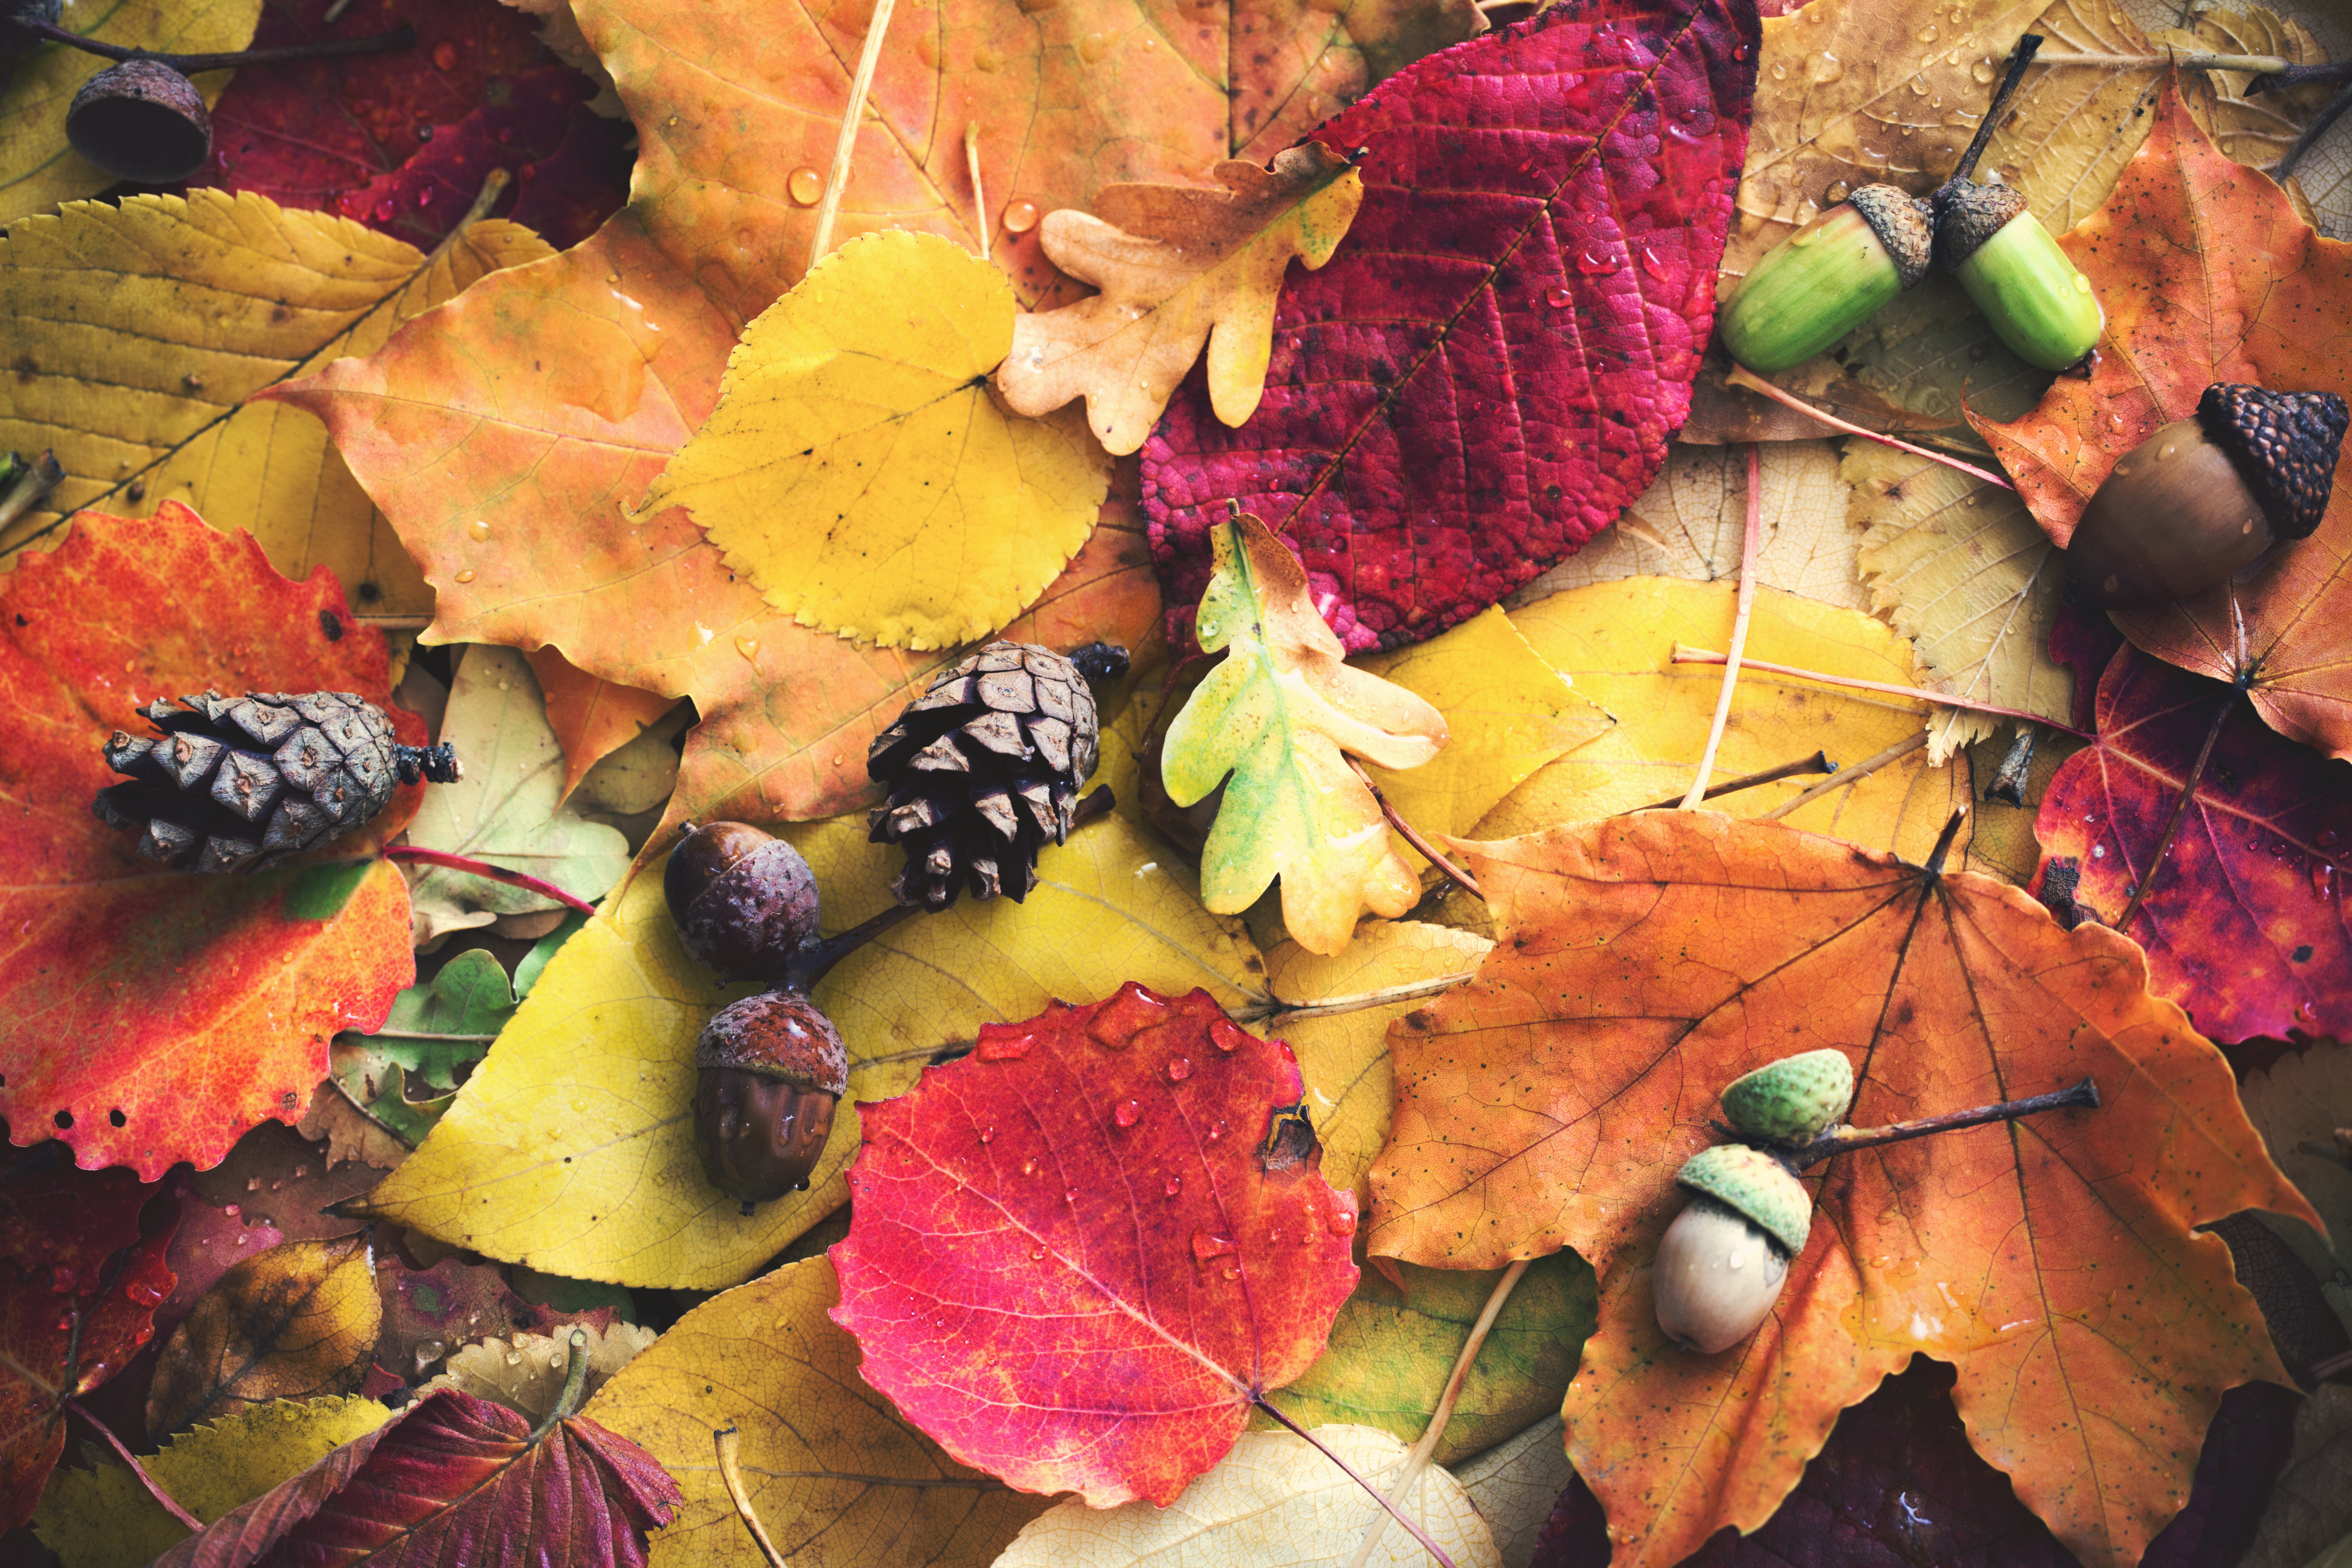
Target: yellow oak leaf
[
  {"x": 857, "y": 468},
  {"x": 1279, "y": 714},
  {"x": 1177, "y": 266}
]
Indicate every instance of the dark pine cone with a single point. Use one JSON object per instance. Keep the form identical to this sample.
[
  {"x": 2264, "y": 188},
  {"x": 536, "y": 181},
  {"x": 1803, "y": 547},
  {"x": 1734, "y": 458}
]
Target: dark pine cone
[
  {"x": 982, "y": 769},
  {"x": 236, "y": 784}
]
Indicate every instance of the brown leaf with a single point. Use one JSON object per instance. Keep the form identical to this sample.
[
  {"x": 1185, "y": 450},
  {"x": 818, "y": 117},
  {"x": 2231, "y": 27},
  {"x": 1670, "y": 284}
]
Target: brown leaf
[{"x": 299, "y": 1321}]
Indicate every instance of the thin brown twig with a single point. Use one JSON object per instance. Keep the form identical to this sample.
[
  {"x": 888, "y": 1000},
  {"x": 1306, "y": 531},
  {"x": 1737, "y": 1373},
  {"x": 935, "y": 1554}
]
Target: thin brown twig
[
  {"x": 1819, "y": 763},
  {"x": 400, "y": 38},
  {"x": 2320, "y": 126},
  {"x": 1742, "y": 376},
  {"x": 1751, "y": 547},
  {"x": 1846, "y": 778},
  {"x": 1846, "y": 1140},
  {"x": 726, "y": 1440},
  {"x": 1684, "y": 654},
  {"x": 1412, "y": 834},
  {"x": 846, "y": 146},
  {"x": 131, "y": 1459},
  {"x": 2179, "y": 810}
]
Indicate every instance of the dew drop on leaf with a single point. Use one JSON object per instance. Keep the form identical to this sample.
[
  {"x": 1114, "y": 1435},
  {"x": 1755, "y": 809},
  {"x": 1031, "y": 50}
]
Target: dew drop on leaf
[
  {"x": 1207, "y": 1245},
  {"x": 1173, "y": 1186},
  {"x": 1021, "y": 217},
  {"x": 1179, "y": 1069},
  {"x": 1227, "y": 1036},
  {"x": 1129, "y": 1113},
  {"x": 1028, "y": 1167},
  {"x": 805, "y": 186}
]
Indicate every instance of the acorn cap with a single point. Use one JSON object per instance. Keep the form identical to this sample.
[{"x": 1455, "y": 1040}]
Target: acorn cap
[
  {"x": 1758, "y": 1186},
  {"x": 1793, "y": 1100},
  {"x": 140, "y": 121},
  {"x": 2284, "y": 445},
  {"x": 1904, "y": 225},
  {"x": 1967, "y": 214},
  {"x": 778, "y": 1035}
]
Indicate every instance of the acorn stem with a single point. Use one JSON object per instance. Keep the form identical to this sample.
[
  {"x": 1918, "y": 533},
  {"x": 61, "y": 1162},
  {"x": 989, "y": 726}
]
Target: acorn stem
[
  {"x": 401, "y": 38},
  {"x": 2180, "y": 809},
  {"x": 1846, "y": 778},
  {"x": 2018, "y": 59},
  {"x": 2312, "y": 132},
  {"x": 1411, "y": 835},
  {"x": 1846, "y": 1140},
  {"x": 1934, "y": 864},
  {"x": 28, "y": 484},
  {"x": 474, "y": 868}
]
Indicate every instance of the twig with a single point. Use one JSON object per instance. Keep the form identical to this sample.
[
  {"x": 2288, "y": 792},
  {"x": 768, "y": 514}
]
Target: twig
[
  {"x": 1454, "y": 874},
  {"x": 576, "y": 1383},
  {"x": 1846, "y": 1140},
  {"x": 2320, "y": 1371},
  {"x": 1751, "y": 547},
  {"x": 2312, "y": 132},
  {"x": 1743, "y": 377},
  {"x": 1276, "y": 1010},
  {"x": 1418, "y": 1460},
  {"x": 467, "y": 863},
  {"x": 160, "y": 1495},
  {"x": 979, "y": 193},
  {"x": 1846, "y": 778},
  {"x": 36, "y": 479},
  {"x": 1687, "y": 655},
  {"x": 400, "y": 38},
  {"x": 420, "y": 1034},
  {"x": 1411, "y": 1524},
  {"x": 395, "y": 623},
  {"x": 726, "y": 1440},
  {"x": 1819, "y": 763},
  {"x": 2028, "y": 45},
  {"x": 494, "y": 185},
  {"x": 867, "y": 58},
  {"x": 2179, "y": 810}
]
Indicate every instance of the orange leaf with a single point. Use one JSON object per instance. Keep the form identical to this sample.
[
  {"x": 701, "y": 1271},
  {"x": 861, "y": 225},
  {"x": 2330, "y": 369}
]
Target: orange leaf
[
  {"x": 1644, "y": 962},
  {"x": 591, "y": 718},
  {"x": 2208, "y": 275}
]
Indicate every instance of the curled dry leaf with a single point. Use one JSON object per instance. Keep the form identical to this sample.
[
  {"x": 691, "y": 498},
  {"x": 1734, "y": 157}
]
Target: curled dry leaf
[
  {"x": 2052, "y": 1261},
  {"x": 298, "y": 1322}
]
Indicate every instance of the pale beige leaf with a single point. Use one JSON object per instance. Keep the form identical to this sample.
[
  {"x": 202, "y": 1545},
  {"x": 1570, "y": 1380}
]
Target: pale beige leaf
[
  {"x": 2310, "y": 1509},
  {"x": 1515, "y": 1486},
  {"x": 525, "y": 1373}
]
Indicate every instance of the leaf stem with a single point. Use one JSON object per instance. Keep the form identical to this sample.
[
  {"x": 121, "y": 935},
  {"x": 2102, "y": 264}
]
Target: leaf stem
[
  {"x": 1846, "y": 778},
  {"x": 1684, "y": 654},
  {"x": 726, "y": 1440},
  {"x": 400, "y": 38},
  {"x": 131, "y": 1459},
  {"x": 979, "y": 192},
  {"x": 1429, "y": 852},
  {"x": 1418, "y": 1460},
  {"x": 472, "y": 866},
  {"x": 1819, "y": 763},
  {"x": 1751, "y": 547},
  {"x": 1847, "y": 1139},
  {"x": 2180, "y": 809},
  {"x": 1411, "y": 1524},
  {"x": 846, "y": 144},
  {"x": 576, "y": 1383},
  {"x": 1742, "y": 376},
  {"x": 1276, "y": 1010},
  {"x": 494, "y": 185}
]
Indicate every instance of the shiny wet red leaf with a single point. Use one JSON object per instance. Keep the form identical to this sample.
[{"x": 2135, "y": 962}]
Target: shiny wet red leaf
[
  {"x": 1075, "y": 1256},
  {"x": 1488, "y": 371}
]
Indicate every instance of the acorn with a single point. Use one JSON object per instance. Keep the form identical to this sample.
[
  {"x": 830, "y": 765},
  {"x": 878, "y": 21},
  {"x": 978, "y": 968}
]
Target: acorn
[
  {"x": 2038, "y": 302},
  {"x": 140, "y": 121},
  {"x": 1722, "y": 1262},
  {"x": 2205, "y": 497},
  {"x": 770, "y": 1071},
  {"x": 1828, "y": 278},
  {"x": 742, "y": 898},
  {"x": 1792, "y": 1101}
]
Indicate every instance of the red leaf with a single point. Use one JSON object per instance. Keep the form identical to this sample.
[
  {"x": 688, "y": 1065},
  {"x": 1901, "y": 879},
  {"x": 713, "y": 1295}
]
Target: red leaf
[
  {"x": 1488, "y": 371},
  {"x": 454, "y": 1480},
  {"x": 147, "y": 1015},
  {"x": 2244, "y": 923},
  {"x": 1072, "y": 1259},
  {"x": 57, "y": 1219}
]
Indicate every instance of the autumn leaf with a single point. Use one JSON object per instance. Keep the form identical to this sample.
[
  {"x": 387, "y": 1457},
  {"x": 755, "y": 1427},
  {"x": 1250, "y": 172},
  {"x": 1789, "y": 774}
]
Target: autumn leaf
[
  {"x": 834, "y": 1473},
  {"x": 147, "y": 1015},
  {"x": 2257, "y": 130},
  {"x": 1549, "y": 1102},
  {"x": 2309, "y": 1514},
  {"x": 61, "y": 1222},
  {"x": 2241, "y": 919},
  {"x": 1178, "y": 266},
  {"x": 856, "y": 469},
  {"x": 2207, "y": 275},
  {"x": 1515, "y": 1486},
  {"x": 298, "y": 1322},
  {"x": 1076, "y": 1256},
  {"x": 2297, "y": 1106},
  {"x": 591, "y": 718},
  {"x": 1488, "y": 372},
  {"x": 404, "y": 1073},
  {"x": 1279, "y": 715}
]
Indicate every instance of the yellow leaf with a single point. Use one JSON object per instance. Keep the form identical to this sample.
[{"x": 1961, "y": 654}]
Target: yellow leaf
[
  {"x": 297, "y": 1321},
  {"x": 571, "y": 1147},
  {"x": 858, "y": 471},
  {"x": 1177, "y": 266},
  {"x": 1278, "y": 715},
  {"x": 837, "y": 1479},
  {"x": 140, "y": 335},
  {"x": 1961, "y": 568},
  {"x": 104, "y": 1519},
  {"x": 1616, "y": 641}
]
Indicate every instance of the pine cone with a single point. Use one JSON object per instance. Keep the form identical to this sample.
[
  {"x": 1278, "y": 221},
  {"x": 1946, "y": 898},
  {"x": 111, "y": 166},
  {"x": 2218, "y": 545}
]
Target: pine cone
[
  {"x": 982, "y": 769},
  {"x": 238, "y": 785}
]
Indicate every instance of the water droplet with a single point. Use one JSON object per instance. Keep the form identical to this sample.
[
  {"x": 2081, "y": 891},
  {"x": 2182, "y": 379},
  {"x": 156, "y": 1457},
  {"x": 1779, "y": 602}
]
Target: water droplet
[
  {"x": 1343, "y": 1222},
  {"x": 1093, "y": 46},
  {"x": 1827, "y": 69},
  {"x": 1131, "y": 1010},
  {"x": 514, "y": 1358},
  {"x": 805, "y": 186},
  {"x": 1020, "y": 217},
  {"x": 748, "y": 647},
  {"x": 987, "y": 58},
  {"x": 466, "y": 576},
  {"x": 1983, "y": 70},
  {"x": 999, "y": 1045},
  {"x": 1228, "y": 1036},
  {"x": 1655, "y": 265},
  {"x": 2082, "y": 284},
  {"x": 987, "y": 1133},
  {"x": 1217, "y": 1130},
  {"x": 478, "y": 531},
  {"x": 139, "y": 1294},
  {"x": 1179, "y": 1069},
  {"x": 1208, "y": 1243},
  {"x": 1172, "y": 1186},
  {"x": 1028, "y": 1167},
  {"x": 1128, "y": 1112},
  {"x": 1838, "y": 190},
  {"x": 1287, "y": 1054},
  {"x": 1735, "y": 1262},
  {"x": 445, "y": 57},
  {"x": 1595, "y": 263},
  {"x": 1036, "y": 1254},
  {"x": 2099, "y": 851},
  {"x": 2326, "y": 837},
  {"x": 1069, "y": 1194},
  {"x": 2323, "y": 878},
  {"x": 1918, "y": 87},
  {"x": 1557, "y": 296},
  {"x": 1779, "y": 71},
  {"x": 2167, "y": 451},
  {"x": 1233, "y": 1270},
  {"x": 1805, "y": 236}
]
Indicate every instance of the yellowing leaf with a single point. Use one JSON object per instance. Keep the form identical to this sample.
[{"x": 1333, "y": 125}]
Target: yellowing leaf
[
  {"x": 1272, "y": 1502},
  {"x": 856, "y": 469},
  {"x": 139, "y": 334},
  {"x": 1277, "y": 715},
  {"x": 1177, "y": 266},
  {"x": 1515, "y": 1486},
  {"x": 526, "y": 1372},
  {"x": 571, "y": 1147},
  {"x": 2257, "y": 131},
  {"x": 296, "y": 1322}
]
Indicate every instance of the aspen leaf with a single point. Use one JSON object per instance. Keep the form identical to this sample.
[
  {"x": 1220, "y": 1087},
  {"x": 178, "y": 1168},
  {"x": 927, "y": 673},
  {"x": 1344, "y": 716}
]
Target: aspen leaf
[
  {"x": 1278, "y": 715},
  {"x": 1177, "y": 267},
  {"x": 856, "y": 469}
]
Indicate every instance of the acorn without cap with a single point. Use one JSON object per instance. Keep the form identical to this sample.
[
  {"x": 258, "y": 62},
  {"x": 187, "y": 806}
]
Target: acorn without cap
[
  {"x": 2204, "y": 498},
  {"x": 770, "y": 1071},
  {"x": 1722, "y": 1262},
  {"x": 1828, "y": 278}
]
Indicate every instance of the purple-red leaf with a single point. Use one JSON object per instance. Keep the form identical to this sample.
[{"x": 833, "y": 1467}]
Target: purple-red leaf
[{"x": 1488, "y": 371}]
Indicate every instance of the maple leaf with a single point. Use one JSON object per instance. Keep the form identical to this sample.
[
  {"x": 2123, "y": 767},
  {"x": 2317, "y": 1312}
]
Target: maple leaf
[
  {"x": 2207, "y": 275},
  {"x": 147, "y": 1015},
  {"x": 856, "y": 469},
  {"x": 1488, "y": 372},
  {"x": 1076, "y": 1256},
  {"x": 1178, "y": 266},
  {"x": 1643, "y": 962},
  {"x": 1279, "y": 715},
  {"x": 299, "y": 1321},
  {"x": 2240, "y": 919}
]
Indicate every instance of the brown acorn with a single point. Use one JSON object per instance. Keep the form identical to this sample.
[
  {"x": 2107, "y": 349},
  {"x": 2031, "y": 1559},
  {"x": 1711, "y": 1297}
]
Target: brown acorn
[
  {"x": 769, "y": 1069},
  {"x": 2204, "y": 498},
  {"x": 742, "y": 898}
]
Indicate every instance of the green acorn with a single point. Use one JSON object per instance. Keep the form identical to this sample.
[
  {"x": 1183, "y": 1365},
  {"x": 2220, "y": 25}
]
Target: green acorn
[
  {"x": 1794, "y": 1100},
  {"x": 1722, "y": 1262},
  {"x": 2038, "y": 302},
  {"x": 1828, "y": 278}
]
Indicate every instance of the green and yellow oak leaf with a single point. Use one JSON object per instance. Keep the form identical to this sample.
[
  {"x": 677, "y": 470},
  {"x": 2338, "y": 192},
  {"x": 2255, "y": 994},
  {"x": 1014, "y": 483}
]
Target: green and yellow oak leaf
[
  {"x": 140, "y": 332},
  {"x": 1177, "y": 266},
  {"x": 571, "y": 1148},
  {"x": 1279, "y": 715}
]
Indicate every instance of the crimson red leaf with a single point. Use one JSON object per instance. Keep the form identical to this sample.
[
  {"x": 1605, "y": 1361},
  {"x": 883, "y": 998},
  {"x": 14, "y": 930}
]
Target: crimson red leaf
[
  {"x": 1075, "y": 1256},
  {"x": 455, "y": 1480},
  {"x": 1488, "y": 371},
  {"x": 2244, "y": 923},
  {"x": 65, "y": 1221}
]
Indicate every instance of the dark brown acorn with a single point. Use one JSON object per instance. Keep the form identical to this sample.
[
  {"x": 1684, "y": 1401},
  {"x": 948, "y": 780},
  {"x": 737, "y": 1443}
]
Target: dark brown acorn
[
  {"x": 140, "y": 121},
  {"x": 2204, "y": 498},
  {"x": 770, "y": 1071},
  {"x": 742, "y": 898}
]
